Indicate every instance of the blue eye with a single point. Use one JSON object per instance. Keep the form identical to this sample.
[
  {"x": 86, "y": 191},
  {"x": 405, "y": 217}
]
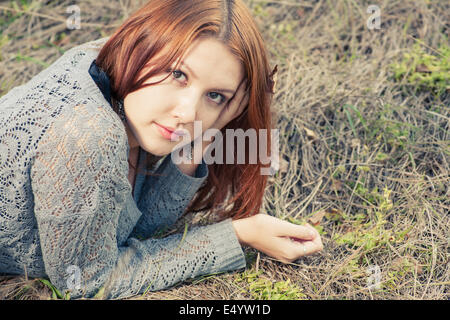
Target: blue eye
[
  {"x": 215, "y": 95},
  {"x": 177, "y": 74}
]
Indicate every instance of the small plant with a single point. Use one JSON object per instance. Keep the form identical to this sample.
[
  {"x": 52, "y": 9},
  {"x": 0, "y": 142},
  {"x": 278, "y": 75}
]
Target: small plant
[
  {"x": 396, "y": 137},
  {"x": 425, "y": 71},
  {"x": 262, "y": 288},
  {"x": 369, "y": 230},
  {"x": 400, "y": 269},
  {"x": 55, "y": 292}
]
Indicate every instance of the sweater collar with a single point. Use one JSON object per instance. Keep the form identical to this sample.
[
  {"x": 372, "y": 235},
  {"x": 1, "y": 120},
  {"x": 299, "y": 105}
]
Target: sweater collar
[{"x": 102, "y": 81}]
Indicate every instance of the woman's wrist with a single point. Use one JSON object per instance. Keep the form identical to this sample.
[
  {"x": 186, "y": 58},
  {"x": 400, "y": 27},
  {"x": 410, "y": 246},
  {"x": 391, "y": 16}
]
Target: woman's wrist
[{"x": 242, "y": 228}]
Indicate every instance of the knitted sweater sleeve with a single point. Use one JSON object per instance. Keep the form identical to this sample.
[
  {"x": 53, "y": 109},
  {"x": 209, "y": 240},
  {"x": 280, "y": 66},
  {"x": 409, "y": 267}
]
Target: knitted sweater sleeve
[
  {"x": 165, "y": 196},
  {"x": 81, "y": 194}
]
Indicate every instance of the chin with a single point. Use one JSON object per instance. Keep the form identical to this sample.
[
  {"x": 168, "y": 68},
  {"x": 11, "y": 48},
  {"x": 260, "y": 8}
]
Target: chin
[{"x": 159, "y": 152}]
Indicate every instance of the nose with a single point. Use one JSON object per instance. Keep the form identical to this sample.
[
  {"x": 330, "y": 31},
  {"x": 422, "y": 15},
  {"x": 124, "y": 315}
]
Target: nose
[{"x": 186, "y": 106}]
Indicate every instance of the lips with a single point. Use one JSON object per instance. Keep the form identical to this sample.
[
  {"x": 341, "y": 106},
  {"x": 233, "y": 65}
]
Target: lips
[
  {"x": 170, "y": 129},
  {"x": 169, "y": 133}
]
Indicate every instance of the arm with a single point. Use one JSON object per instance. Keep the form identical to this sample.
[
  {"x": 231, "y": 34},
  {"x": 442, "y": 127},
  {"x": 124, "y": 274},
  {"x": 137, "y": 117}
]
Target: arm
[
  {"x": 80, "y": 190},
  {"x": 165, "y": 196}
]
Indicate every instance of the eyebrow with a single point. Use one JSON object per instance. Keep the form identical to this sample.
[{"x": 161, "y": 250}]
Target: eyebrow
[{"x": 215, "y": 89}]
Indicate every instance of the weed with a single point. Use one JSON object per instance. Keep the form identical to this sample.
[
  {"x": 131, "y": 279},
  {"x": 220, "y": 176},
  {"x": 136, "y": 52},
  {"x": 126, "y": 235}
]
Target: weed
[
  {"x": 55, "y": 292},
  {"x": 400, "y": 268},
  {"x": 396, "y": 138},
  {"x": 4, "y": 39},
  {"x": 425, "y": 71},
  {"x": 368, "y": 229},
  {"x": 20, "y": 57},
  {"x": 261, "y": 288}
]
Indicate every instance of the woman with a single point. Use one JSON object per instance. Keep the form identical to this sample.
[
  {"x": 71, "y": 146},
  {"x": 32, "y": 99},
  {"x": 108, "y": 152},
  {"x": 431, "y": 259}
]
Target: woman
[{"x": 86, "y": 183}]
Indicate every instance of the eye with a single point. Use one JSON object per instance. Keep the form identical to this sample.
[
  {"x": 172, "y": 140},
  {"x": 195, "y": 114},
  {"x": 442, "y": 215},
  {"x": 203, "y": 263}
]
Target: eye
[
  {"x": 177, "y": 74},
  {"x": 215, "y": 95}
]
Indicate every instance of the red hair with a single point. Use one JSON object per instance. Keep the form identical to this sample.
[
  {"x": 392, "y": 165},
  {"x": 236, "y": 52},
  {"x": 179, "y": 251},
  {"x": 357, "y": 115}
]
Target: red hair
[{"x": 170, "y": 27}]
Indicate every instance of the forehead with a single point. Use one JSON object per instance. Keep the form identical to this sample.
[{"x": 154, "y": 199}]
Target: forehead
[{"x": 211, "y": 60}]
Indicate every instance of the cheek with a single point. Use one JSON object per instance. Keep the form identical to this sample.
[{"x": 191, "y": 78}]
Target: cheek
[
  {"x": 145, "y": 103},
  {"x": 136, "y": 100},
  {"x": 131, "y": 104},
  {"x": 209, "y": 118}
]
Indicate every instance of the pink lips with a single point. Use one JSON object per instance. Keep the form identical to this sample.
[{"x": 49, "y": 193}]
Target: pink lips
[{"x": 169, "y": 133}]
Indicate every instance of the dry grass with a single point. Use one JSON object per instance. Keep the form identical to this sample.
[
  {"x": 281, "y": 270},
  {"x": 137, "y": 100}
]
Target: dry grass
[{"x": 371, "y": 151}]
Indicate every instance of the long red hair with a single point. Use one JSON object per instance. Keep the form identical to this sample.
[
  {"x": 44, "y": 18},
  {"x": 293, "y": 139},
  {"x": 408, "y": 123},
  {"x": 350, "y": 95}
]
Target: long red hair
[{"x": 171, "y": 26}]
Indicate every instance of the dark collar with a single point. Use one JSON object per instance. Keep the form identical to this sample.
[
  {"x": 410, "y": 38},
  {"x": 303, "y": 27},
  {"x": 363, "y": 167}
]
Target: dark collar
[{"x": 102, "y": 80}]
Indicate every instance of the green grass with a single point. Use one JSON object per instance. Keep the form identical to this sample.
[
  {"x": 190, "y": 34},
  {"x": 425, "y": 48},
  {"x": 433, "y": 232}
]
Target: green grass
[
  {"x": 425, "y": 71},
  {"x": 261, "y": 288}
]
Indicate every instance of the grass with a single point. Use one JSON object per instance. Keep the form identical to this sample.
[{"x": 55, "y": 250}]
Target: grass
[
  {"x": 423, "y": 71},
  {"x": 262, "y": 288},
  {"x": 364, "y": 138}
]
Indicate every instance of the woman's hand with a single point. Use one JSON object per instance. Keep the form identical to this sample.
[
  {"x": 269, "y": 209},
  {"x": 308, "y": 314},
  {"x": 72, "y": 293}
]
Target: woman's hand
[{"x": 277, "y": 238}]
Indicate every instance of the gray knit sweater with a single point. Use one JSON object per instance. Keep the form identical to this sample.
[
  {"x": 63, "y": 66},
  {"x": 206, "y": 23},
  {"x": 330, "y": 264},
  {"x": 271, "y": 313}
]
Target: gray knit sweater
[{"x": 67, "y": 209}]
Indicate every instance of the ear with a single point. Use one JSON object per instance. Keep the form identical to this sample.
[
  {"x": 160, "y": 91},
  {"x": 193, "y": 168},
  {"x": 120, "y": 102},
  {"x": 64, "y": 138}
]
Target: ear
[{"x": 272, "y": 80}]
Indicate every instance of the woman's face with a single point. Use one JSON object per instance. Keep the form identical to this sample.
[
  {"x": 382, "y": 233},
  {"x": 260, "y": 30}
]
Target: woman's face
[{"x": 197, "y": 91}]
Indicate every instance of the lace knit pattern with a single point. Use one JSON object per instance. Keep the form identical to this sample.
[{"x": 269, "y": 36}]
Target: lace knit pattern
[{"x": 66, "y": 202}]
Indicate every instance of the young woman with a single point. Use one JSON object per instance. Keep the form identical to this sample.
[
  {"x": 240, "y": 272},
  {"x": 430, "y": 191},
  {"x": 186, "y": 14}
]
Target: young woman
[{"x": 86, "y": 183}]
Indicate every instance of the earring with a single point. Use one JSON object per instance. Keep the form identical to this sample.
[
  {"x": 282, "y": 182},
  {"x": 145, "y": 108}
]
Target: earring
[
  {"x": 189, "y": 155},
  {"x": 272, "y": 79},
  {"x": 121, "y": 110}
]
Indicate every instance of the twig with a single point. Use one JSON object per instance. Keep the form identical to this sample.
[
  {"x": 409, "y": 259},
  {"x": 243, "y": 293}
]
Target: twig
[
  {"x": 339, "y": 269},
  {"x": 433, "y": 261},
  {"x": 308, "y": 199}
]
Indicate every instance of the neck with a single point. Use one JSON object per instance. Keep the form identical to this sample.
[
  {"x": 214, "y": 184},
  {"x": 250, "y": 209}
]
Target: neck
[{"x": 132, "y": 142}]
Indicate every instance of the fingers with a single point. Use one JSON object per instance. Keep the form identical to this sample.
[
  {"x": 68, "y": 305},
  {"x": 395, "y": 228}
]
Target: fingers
[
  {"x": 310, "y": 247},
  {"x": 295, "y": 231},
  {"x": 281, "y": 239},
  {"x": 302, "y": 246},
  {"x": 295, "y": 249},
  {"x": 314, "y": 230},
  {"x": 317, "y": 240},
  {"x": 282, "y": 228}
]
